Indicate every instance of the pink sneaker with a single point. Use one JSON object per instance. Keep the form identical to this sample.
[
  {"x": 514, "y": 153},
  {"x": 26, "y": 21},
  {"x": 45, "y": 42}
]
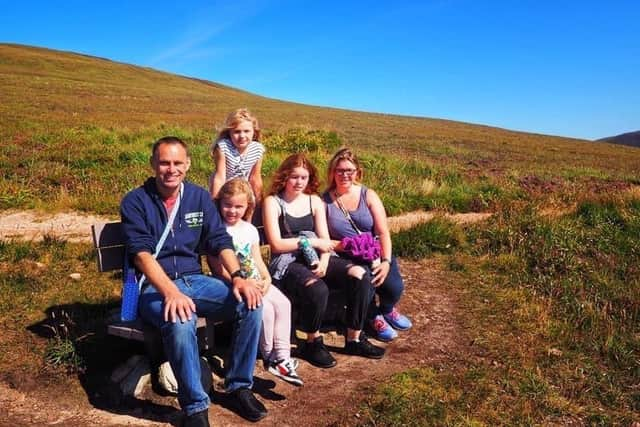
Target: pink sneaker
[
  {"x": 398, "y": 321},
  {"x": 383, "y": 332}
]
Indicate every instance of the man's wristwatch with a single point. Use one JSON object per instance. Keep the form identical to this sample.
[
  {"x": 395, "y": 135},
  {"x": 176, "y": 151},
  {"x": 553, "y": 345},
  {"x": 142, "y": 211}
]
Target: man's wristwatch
[
  {"x": 385, "y": 260},
  {"x": 239, "y": 273}
]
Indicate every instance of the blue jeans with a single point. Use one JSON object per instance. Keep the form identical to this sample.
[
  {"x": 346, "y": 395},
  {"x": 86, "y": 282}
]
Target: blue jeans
[
  {"x": 215, "y": 301},
  {"x": 389, "y": 292}
]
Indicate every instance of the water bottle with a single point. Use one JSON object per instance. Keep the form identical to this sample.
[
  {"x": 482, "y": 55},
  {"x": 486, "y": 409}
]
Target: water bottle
[
  {"x": 130, "y": 294},
  {"x": 310, "y": 255}
]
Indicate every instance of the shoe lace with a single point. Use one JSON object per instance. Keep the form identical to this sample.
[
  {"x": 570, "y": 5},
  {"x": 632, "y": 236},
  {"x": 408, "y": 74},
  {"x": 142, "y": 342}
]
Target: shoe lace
[
  {"x": 288, "y": 365},
  {"x": 394, "y": 314},
  {"x": 379, "y": 324}
]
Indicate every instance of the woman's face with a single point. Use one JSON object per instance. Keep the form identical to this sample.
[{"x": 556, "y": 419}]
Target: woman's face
[
  {"x": 344, "y": 174},
  {"x": 233, "y": 208},
  {"x": 297, "y": 181},
  {"x": 242, "y": 135}
]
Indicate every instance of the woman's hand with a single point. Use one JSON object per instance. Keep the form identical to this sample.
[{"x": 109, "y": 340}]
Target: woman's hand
[
  {"x": 380, "y": 273},
  {"x": 321, "y": 269},
  {"x": 323, "y": 245}
]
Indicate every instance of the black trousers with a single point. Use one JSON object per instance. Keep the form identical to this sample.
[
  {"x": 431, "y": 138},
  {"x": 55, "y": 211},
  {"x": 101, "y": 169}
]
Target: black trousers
[{"x": 311, "y": 300}]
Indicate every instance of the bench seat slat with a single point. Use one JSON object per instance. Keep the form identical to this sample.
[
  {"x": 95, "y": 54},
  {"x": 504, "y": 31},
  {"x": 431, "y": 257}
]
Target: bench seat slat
[{"x": 134, "y": 330}]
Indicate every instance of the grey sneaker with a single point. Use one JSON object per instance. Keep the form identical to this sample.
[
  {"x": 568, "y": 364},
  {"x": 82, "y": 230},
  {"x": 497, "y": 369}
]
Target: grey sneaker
[{"x": 285, "y": 370}]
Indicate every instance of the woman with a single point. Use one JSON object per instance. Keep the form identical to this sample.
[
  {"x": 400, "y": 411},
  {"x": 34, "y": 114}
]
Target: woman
[
  {"x": 294, "y": 214},
  {"x": 351, "y": 205}
]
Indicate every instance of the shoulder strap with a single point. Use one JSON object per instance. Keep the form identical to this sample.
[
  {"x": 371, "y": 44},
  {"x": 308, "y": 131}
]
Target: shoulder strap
[
  {"x": 165, "y": 233},
  {"x": 346, "y": 213}
]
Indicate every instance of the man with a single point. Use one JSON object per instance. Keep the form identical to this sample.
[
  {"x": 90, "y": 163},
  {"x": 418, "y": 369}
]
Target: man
[{"x": 175, "y": 291}]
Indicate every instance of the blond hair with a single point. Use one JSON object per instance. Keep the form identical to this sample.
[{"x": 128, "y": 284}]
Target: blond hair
[
  {"x": 234, "y": 118},
  {"x": 344, "y": 153},
  {"x": 235, "y": 187}
]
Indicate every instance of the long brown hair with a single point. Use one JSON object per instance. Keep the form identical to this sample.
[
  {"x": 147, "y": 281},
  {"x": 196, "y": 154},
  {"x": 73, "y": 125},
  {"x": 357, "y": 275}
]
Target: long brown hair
[
  {"x": 344, "y": 153},
  {"x": 284, "y": 172}
]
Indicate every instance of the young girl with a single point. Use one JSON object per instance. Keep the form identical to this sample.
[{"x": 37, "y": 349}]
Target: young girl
[
  {"x": 291, "y": 212},
  {"x": 237, "y": 153},
  {"x": 235, "y": 202}
]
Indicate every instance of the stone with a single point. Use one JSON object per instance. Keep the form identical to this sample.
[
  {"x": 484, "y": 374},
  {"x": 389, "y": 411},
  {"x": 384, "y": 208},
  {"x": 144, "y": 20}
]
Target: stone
[{"x": 166, "y": 378}]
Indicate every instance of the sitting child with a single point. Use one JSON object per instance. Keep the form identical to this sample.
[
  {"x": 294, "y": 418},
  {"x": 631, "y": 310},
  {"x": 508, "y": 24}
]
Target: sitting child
[{"x": 236, "y": 199}]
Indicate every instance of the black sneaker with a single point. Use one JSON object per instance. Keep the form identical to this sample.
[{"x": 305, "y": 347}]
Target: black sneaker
[
  {"x": 199, "y": 419},
  {"x": 247, "y": 405},
  {"x": 317, "y": 354},
  {"x": 364, "y": 348}
]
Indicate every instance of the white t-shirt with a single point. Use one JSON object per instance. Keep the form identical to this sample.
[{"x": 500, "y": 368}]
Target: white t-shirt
[{"x": 245, "y": 235}]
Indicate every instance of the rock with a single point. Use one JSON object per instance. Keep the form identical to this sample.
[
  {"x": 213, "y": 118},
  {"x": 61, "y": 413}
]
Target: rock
[
  {"x": 554, "y": 352},
  {"x": 75, "y": 276},
  {"x": 135, "y": 381},
  {"x": 166, "y": 379},
  {"x": 123, "y": 370}
]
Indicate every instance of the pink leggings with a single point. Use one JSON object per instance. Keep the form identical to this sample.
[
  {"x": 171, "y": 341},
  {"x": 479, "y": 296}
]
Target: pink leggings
[{"x": 275, "y": 338}]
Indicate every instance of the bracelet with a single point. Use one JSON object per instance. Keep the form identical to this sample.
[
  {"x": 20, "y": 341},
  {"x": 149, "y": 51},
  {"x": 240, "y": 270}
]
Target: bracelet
[{"x": 385, "y": 260}]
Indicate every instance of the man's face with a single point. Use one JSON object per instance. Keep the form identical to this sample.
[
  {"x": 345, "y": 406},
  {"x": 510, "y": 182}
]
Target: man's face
[{"x": 170, "y": 164}]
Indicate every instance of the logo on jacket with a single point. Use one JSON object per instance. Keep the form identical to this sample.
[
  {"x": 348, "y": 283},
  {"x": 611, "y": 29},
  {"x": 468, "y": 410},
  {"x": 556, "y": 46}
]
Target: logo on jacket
[{"x": 194, "y": 219}]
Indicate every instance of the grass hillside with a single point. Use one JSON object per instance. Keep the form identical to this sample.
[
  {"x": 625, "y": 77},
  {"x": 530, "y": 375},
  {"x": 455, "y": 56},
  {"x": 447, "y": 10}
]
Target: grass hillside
[
  {"x": 76, "y": 131},
  {"x": 549, "y": 287}
]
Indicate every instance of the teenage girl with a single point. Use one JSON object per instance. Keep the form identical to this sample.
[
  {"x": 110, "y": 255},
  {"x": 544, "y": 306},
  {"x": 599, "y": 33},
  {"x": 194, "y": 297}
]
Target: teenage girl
[
  {"x": 235, "y": 201},
  {"x": 292, "y": 210}
]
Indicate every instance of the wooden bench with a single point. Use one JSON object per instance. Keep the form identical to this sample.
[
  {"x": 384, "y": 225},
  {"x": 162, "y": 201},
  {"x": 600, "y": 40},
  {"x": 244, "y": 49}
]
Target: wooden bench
[{"x": 108, "y": 241}]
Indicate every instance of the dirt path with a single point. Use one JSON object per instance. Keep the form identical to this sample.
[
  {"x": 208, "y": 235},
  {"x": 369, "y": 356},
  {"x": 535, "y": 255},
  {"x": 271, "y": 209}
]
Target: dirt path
[
  {"x": 75, "y": 227},
  {"x": 328, "y": 397}
]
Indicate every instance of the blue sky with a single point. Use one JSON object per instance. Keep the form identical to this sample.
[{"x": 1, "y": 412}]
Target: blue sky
[{"x": 569, "y": 68}]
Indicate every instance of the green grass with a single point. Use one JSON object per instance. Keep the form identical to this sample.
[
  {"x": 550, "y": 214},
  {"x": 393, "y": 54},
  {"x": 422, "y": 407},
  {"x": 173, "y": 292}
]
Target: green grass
[{"x": 436, "y": 236}]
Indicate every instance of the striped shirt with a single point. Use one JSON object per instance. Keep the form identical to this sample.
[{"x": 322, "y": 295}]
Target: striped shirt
[{"x": 240, "y": 165}]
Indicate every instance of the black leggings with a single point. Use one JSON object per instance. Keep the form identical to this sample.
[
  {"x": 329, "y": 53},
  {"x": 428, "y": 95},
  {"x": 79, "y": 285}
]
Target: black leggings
[{"x": 311, "y": 300}]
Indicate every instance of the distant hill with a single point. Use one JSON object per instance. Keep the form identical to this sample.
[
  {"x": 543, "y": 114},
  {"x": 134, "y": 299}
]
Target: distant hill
[
  {"x": 50, "y": 95},
  {"x": 43, "y": 86},
  {"x": 630, "y": 138}
]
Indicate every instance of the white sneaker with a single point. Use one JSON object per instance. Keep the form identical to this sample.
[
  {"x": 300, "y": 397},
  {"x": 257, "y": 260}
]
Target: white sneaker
[{"x": 285, "y": 370}]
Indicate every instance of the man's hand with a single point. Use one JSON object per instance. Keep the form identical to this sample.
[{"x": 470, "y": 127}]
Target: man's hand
[
  {"x": 246, "y": 289},
  {"x": 178, "y": 305}
]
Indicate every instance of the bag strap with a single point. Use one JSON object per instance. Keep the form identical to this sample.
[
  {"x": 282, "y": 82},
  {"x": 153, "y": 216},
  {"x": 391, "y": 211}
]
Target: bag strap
[
  {"x": 346, "y": 213},
  {"x": 165, "y": 233}
]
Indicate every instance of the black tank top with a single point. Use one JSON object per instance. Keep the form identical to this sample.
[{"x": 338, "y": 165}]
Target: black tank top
[{"x": 291, "y": 226}]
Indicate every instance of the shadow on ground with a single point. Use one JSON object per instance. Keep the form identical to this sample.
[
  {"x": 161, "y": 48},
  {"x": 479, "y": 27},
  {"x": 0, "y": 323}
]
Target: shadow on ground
[{"x": 80, "y": 345}]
